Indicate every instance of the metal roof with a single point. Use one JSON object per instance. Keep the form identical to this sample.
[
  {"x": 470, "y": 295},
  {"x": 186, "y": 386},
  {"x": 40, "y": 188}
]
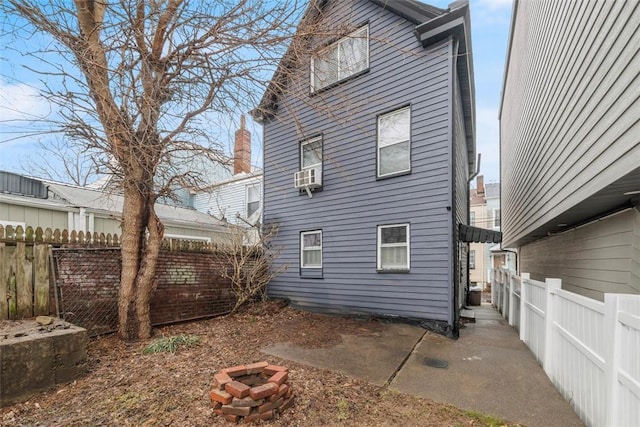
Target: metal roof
[{"x": 470, "y": 234}]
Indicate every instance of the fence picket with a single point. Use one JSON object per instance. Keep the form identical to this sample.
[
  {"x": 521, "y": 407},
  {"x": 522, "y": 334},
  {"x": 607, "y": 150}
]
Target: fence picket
[{"x": 589, "y": 349}]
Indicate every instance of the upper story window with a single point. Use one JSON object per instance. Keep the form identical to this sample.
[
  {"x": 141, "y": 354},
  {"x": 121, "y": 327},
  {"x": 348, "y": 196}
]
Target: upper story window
[
  {"x": 472, "y": 218},
  {"x": 253, "y": 199},
  {"x": 311, "y": 153},
  {"x": 394, "y": 142},
  {"x": 496, "y": 218},
  {"x": 311, "y": 249},
  {"x": 393, "y": 247},
  {"x": 340, "y": 60}
]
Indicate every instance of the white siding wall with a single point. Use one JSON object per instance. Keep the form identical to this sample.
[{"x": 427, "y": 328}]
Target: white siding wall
[
  {"x": 228, "y": 200},
  {"x": 600, "y": 257},
  {"x": 569, "y": 118},
  {"x": 32, "y": 216}
]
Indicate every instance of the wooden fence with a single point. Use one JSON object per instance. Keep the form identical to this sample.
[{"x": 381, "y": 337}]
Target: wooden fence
[
  {"x": 25, "y": 263},
  {"x": 588, "y": 348}
]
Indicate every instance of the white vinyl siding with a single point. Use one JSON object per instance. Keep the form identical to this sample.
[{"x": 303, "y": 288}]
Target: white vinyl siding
[
  {"x": 393, "y": 247},
  {"x": 229, "y": 200},
  {"x": 253, "y": 199},
  {"x": 311, "y": 249},
  {"x": 394, "y": 142},
  {"x": 340, "y": 60}
]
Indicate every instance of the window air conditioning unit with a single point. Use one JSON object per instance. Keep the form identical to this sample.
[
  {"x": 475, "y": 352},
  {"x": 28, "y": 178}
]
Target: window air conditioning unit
[{"x": 308, "y": 178}]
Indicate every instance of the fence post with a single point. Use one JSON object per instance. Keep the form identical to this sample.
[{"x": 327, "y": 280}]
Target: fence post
[
  {"x": 552, "y": 285},
  {"x": 511, "y": 297},
  {"x": 611, "y": 357},
  {"x": 523, "y": 306}
]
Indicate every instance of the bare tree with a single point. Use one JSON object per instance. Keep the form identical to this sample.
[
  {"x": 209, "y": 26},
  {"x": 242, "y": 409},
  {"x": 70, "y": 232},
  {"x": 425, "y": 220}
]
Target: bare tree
[
  {"x": 142, "y": 79},
  {"x": 145, "y": 80},
  {"x": 66, "y": 161},
  {"x": 250, "y": 265}
]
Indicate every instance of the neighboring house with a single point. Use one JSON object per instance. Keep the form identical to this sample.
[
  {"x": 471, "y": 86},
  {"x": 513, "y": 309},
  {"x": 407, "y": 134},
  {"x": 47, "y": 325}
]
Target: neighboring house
[
  {"x": 31, "y": 202},
  {"x": 570, "y": 144},
  {"x": 497, "y": 256},
  {"x": 369, "y": 143},
  {"x": 237, "y": 199},
  {"x": 478, "y": 251}
]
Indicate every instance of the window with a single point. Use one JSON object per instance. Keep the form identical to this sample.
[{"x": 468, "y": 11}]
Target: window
[
  {"x": 394, "y": 153},
  {"x": 253, "y": 199},
  {"x": 311, "y": 153},
  {"x": 472, "y": 259},
  {"x": 311, "y": 249},
  {"x": 496, "y": 217},
  {"x": 393, "y": 247},
  {"x": 340, "y": 60},
  {"x": 472, "y": 218}
]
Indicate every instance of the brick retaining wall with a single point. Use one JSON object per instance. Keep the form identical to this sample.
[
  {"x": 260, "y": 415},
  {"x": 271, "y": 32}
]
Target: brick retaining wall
[{"x": 190, "y": 286}]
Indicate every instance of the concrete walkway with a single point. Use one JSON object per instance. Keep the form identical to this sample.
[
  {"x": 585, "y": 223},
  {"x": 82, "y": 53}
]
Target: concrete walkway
[{"x": 489, "y": 369}]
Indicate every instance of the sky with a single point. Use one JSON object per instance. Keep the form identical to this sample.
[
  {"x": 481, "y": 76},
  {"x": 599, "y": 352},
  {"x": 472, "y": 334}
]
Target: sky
[{"x": 22, "y": 107}]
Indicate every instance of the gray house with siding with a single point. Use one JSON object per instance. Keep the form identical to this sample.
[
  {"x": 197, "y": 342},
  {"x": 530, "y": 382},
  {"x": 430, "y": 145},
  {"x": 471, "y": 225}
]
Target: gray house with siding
[
  {"x": 369, "y": 146},
  {"x": 570, "y": 144}
]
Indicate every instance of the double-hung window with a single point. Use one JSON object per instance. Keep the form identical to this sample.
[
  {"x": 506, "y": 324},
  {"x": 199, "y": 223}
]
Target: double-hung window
[
  {"x": 393, "y": 247},
  {"x": 253, "y": 199},
  {"x": 311, "y": 153},
  {"x": 394, "y": 142},
  {"x": 496, "y": 218},
  {"x": 340, "y": 60},
  {"x": 472, "y": 259},
  {"x": 311, "y": 249}
]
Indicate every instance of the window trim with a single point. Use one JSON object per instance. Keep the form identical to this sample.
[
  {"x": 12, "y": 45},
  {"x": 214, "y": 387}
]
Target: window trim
[
  {"x": 311, "y": 139},
  {"x": 379, "y": 246},
  {"x": 246, "y": 199},
  {"x": 336, "y": 45},
  {"x": 378, "y": 156},
  {"x": 302, "y": 249}
]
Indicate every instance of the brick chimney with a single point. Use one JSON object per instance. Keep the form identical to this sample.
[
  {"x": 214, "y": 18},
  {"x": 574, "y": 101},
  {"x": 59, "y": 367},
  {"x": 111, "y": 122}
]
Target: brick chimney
[
  {"x": 480, "y": 185},
  {"x": 242, "y": 149}
]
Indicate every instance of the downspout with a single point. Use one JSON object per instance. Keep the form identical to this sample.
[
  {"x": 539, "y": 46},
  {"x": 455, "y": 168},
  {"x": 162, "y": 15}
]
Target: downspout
[{"x": 455, "y": 240}]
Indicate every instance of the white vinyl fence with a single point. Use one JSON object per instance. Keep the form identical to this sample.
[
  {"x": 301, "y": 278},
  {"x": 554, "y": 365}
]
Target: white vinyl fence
[{"x": 589, "y": 349}]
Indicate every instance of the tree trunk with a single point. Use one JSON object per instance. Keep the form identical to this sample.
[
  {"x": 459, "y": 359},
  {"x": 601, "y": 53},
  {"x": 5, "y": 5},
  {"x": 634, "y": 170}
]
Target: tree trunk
[{"x": 139, "y": 258}]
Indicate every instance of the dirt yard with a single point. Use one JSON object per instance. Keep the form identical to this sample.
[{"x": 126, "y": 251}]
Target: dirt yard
[{"x": 126, "y": 387}]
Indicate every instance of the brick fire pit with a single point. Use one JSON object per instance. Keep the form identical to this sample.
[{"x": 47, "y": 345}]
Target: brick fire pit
[{"x": 258, "y": 391}]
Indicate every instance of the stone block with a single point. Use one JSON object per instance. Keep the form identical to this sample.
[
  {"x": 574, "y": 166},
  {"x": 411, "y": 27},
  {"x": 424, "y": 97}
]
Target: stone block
[
  {"x": 221, "y": 396},
  {"x": 273, "y": 369},
  {"x": 279, "y": 378},
  {"x": 247, "y": 402},
  {"x": 236, "y": 410},
  {"x": 256, "y": 368},
  {"x": 237, "y": 389},
  {"x": 236, "y": 371},
  {"x": 262, "y": 391}
]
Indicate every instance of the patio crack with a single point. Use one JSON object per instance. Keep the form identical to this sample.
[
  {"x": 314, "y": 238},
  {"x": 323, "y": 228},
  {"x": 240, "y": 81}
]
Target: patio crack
[{"x": 413, "y": 349}]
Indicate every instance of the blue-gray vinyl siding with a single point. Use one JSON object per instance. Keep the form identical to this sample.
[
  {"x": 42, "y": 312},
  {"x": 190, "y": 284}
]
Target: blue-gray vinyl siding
[
  {"x": 353, "y": 202},
  {"x": 461, "y": 194}
]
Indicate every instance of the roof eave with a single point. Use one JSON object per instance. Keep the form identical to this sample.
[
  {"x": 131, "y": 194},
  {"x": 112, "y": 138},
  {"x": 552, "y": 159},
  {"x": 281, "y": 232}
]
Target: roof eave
[{"x": 457, "y": 24}]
